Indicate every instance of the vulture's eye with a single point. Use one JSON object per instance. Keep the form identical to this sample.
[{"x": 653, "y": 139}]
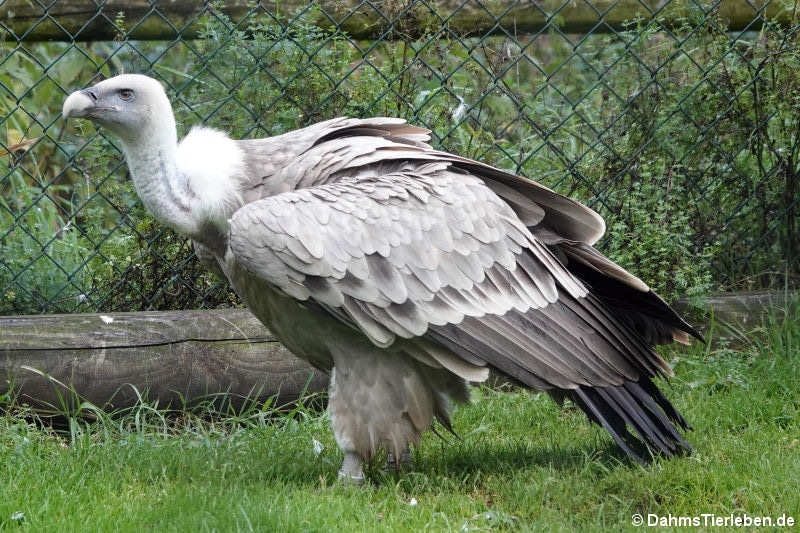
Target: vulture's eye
[{"x": 126, "y": 94}]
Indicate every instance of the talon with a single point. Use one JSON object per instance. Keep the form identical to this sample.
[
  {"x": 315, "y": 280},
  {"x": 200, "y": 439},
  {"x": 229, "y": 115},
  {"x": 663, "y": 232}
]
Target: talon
[
  {"x": 391, "y": 464},
  {"x": 405, "y": 462},
  {"x": 347, "y": 478}
]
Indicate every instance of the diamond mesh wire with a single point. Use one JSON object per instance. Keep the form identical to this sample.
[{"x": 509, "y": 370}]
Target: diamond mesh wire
[{"x": 679, "y": 124}]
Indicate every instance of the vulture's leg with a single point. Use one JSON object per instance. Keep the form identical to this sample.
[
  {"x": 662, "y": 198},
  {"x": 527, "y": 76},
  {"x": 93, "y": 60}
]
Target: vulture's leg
[
  {"x": 351, "y": 470},
  {"x": 403, "y": 462},
  {"x": 378, "y": 399}
]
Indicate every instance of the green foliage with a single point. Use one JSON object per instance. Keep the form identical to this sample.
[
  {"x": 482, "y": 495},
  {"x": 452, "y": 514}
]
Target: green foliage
[
  {"x": 278, "y": 74},
  {"x": 43, "y": 255},
  {"x": 654, "y": 239},
  {"x": 711, "y": 135},
  {"x": 74, "y": 236},
  {"x": 686, "y": 141}
]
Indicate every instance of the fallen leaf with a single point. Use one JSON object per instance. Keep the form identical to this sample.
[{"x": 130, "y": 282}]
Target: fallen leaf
[{"x": 21, "y": 146}]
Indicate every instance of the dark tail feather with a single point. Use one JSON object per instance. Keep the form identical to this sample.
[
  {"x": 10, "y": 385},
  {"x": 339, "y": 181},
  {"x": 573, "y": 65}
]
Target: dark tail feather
[
  {"x": 643, "y": 408},
  {"x": 651, "y": 390}
]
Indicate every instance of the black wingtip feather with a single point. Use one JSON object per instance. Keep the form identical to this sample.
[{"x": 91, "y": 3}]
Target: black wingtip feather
[
  {"x": 633, "y": 405},
  {"x": 640, "y": 310},
  {"x": 610, "y": 420},
  {"x": 649, "y": 389},
  {"x": 584, "y": 349}
]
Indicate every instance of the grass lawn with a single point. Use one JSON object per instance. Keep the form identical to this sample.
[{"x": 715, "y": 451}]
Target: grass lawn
[{"x": 522, "y": 464}]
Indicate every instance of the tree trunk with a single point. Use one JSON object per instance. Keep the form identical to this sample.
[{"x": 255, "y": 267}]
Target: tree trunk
[
  {"x": 174, "y": 357},
  {"x": 83, "y": 20}
]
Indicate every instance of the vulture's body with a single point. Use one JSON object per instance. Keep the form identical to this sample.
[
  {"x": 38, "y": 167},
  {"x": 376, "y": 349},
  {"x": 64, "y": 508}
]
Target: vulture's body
[{"x": 404, "y": 271}]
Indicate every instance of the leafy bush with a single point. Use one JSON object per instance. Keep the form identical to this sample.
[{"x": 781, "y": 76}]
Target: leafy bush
[
  {"x": 685, "y": 140},
  {"x": 711, "y": 137}
]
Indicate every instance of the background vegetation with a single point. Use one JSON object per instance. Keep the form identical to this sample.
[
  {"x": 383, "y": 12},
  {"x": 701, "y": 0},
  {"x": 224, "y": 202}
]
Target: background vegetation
[{"x": 685, "y": 139}]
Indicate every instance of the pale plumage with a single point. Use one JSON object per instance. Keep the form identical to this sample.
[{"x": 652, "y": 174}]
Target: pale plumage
[{"x": 407, "y": 270}]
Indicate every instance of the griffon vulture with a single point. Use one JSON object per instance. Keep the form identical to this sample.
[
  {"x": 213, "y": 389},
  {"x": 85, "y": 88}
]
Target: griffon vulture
[{"x": 404, "y": 271}]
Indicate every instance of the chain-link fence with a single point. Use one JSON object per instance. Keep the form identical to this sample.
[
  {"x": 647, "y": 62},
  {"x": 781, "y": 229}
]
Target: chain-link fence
[{"x": 679, "y": 121}]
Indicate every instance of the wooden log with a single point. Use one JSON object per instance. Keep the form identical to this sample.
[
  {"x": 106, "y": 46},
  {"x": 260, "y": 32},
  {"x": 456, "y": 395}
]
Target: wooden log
[
  {"x": 735, "y": 315},
  {"x": 178, "y": 357},
  {"x": 172, "y": 357},
  {"x": 84, "y": 20}
]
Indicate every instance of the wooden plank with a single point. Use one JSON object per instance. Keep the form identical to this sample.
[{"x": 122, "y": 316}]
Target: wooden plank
[
  {"x": 83, "y": 20},
  {"x": 130, "y": 329},
  {"x": 735, "y": 315},
  {"x": 172, "y": 357}
]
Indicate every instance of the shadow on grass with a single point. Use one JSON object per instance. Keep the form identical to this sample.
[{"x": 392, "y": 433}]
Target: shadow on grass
[{"x": 503, "y": 457}]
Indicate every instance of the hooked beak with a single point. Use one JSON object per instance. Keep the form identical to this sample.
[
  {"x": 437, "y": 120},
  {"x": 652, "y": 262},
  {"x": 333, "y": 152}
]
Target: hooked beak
[{"x": 81, "y": 104}]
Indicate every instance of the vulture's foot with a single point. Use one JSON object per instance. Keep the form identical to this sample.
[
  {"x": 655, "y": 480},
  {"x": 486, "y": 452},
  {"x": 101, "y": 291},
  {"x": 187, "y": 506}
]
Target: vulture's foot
[
  {"x": 395, "y": 464},
  {"x": 351, "y": 472}
]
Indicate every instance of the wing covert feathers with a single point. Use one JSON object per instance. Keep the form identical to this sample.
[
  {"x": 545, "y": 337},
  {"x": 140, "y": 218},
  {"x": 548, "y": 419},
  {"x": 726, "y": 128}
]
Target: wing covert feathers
[
  {"x": 343, "y": 147},
  {"x": 399, "y": 252}
]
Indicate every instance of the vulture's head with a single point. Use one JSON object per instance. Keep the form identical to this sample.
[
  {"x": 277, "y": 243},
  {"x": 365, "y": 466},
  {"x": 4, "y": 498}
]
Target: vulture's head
[{"x": 131, "y": 106}]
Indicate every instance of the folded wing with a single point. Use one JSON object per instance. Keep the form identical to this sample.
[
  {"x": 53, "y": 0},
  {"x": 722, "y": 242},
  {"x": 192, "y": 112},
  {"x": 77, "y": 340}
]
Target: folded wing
[
  {"x": 399, "y": 252},
  {"x": 401, "y": 241}
]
